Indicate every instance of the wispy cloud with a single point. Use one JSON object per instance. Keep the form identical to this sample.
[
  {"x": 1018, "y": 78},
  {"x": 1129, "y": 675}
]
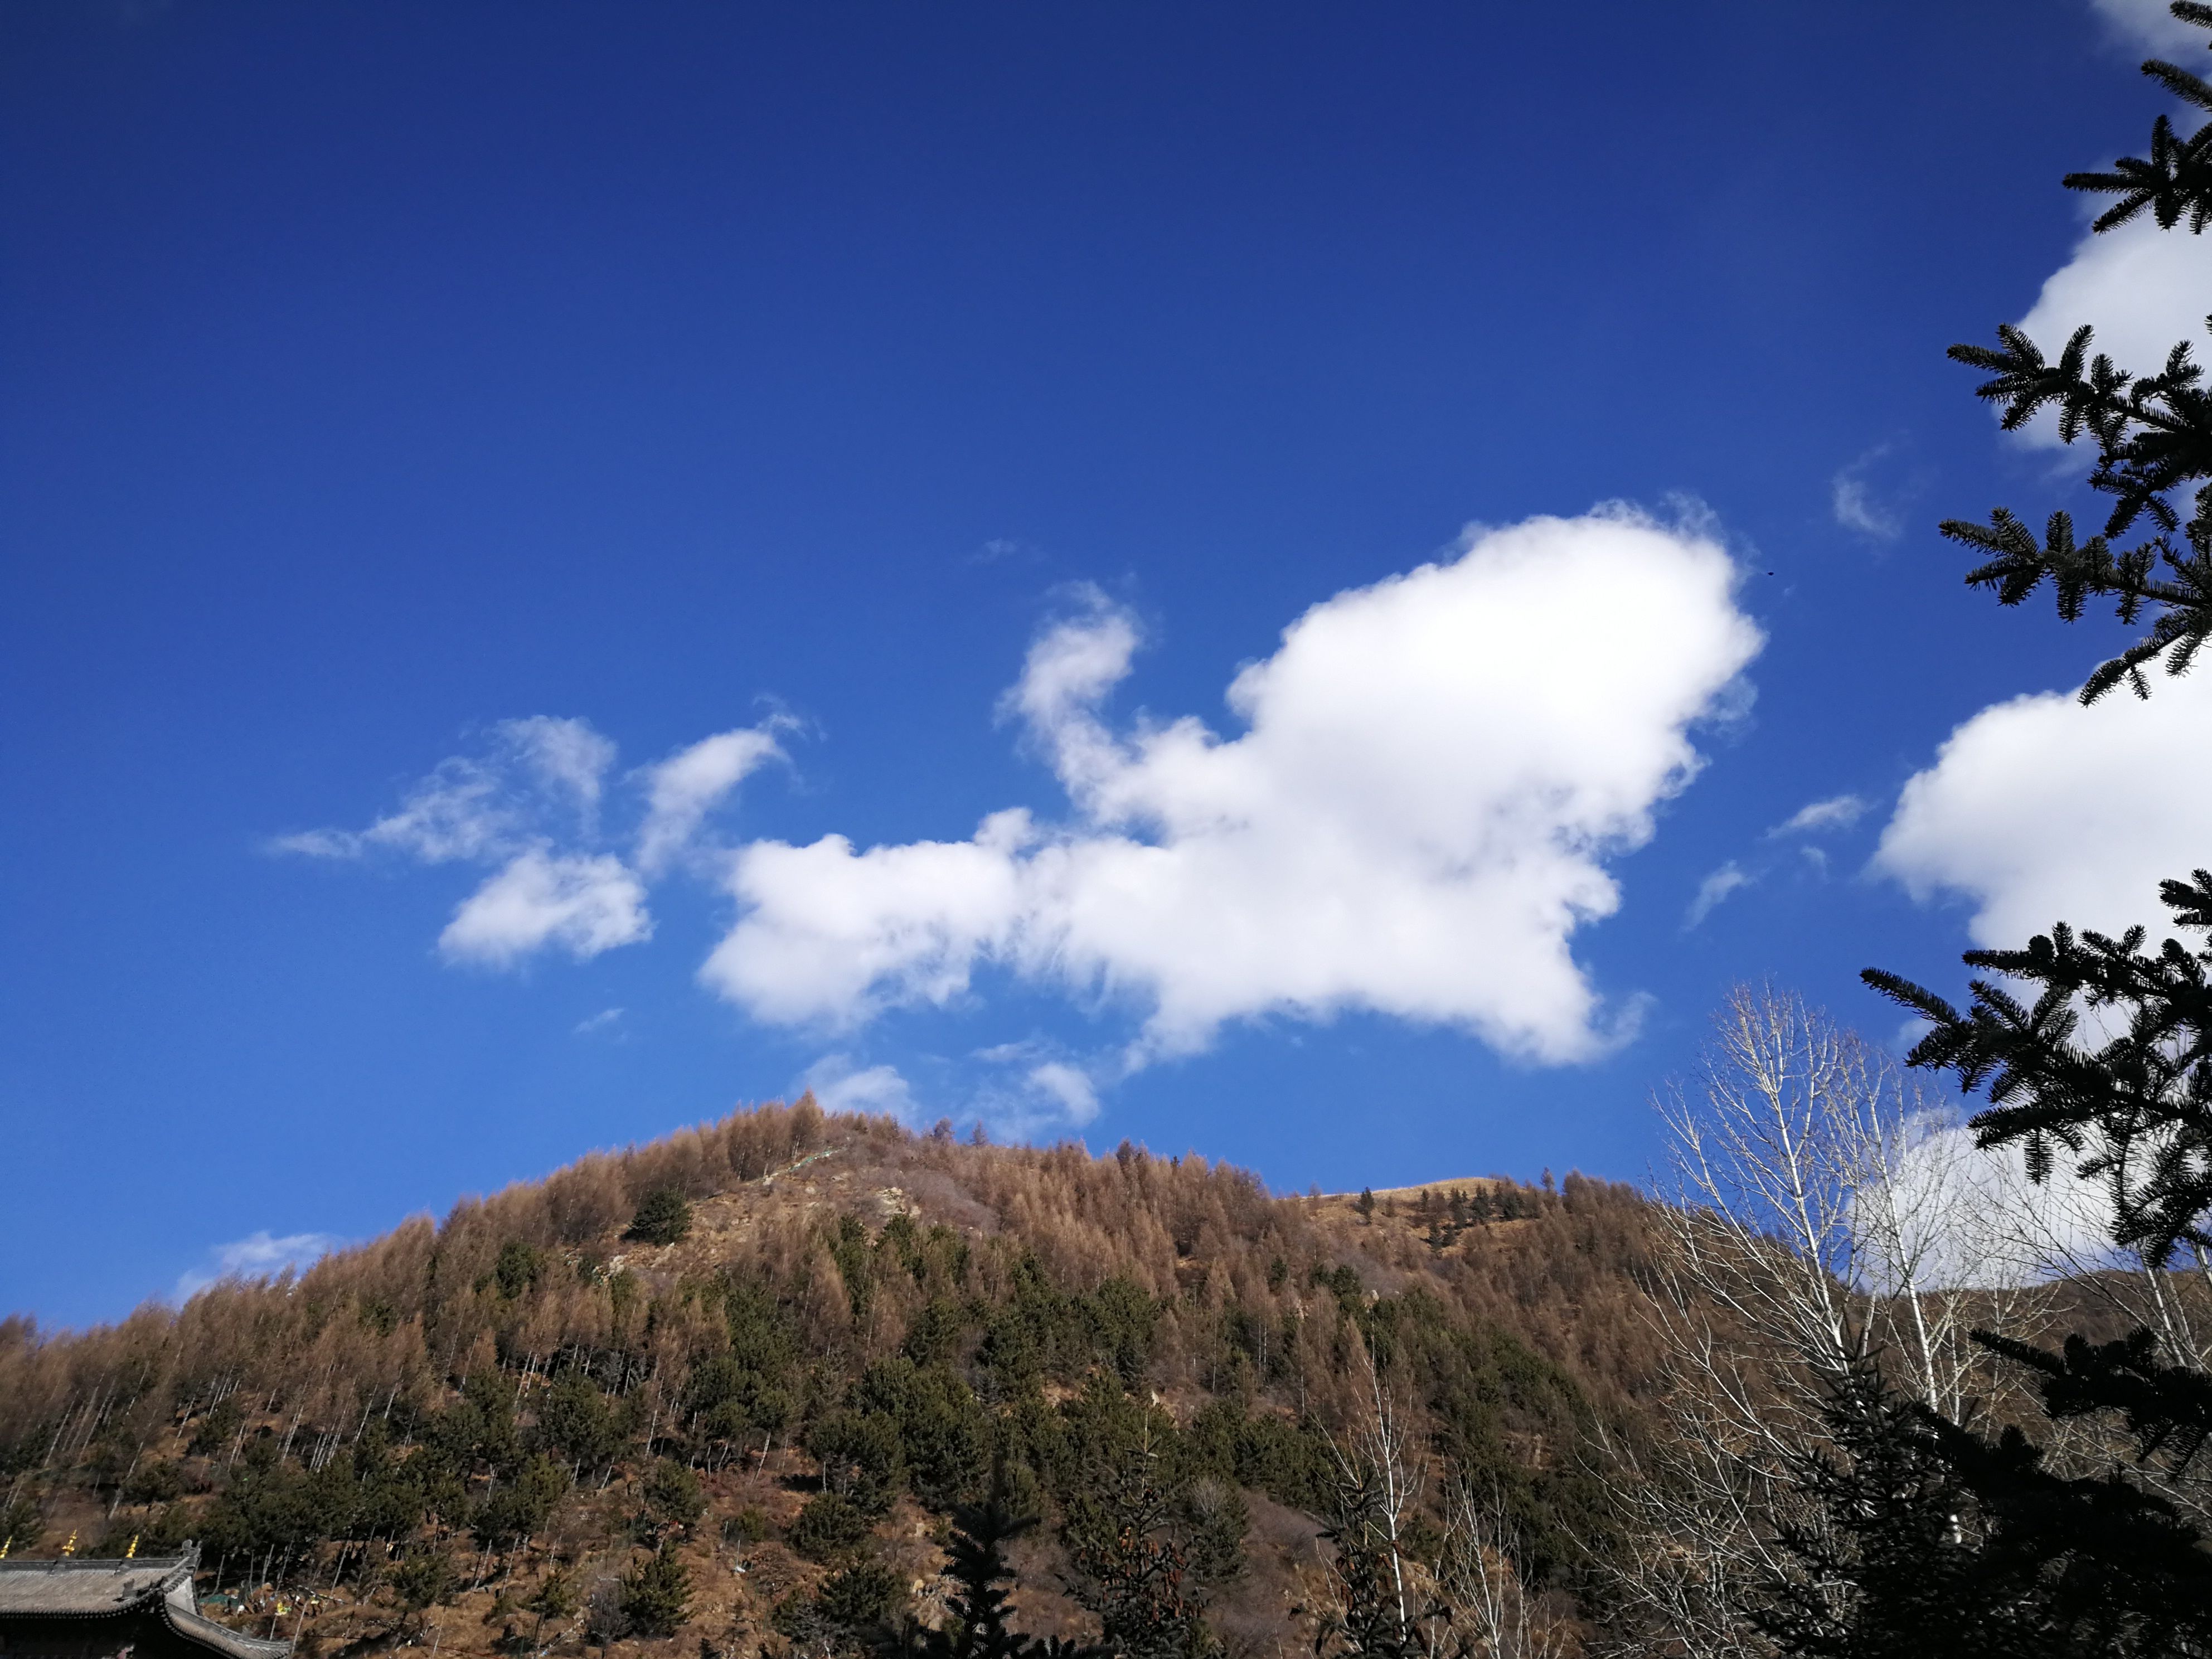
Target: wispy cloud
[
  {"x": 529, "y": 806},
  {"x": 1001, "y": 549},
  {"x": 1856, "y": 503},
  {"x": 606, "y": 1020},
  {"x": 1041, "y": 1086},
  {"x": 682, "y": 789},
  {"x": 1816, "y": 817},
  {"x": 1018, "y": 1089},
  {"x": 537, "y": 776},
  {"x": 1713, "y": 890},
  {"x": 839, "y": 1083},
  {"x": 1836, "y": 812},
  {"x": 2151, "y": 24},
  {"x": 1069, "y": 1088},
  {"x": 257, "y": 1255}
]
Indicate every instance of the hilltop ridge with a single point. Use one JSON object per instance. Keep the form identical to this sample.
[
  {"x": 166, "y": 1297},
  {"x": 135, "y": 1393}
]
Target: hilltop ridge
[{"x": 767, "y": 1357}]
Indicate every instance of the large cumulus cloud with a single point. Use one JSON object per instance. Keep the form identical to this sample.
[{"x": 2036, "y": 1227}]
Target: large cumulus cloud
[{"x": 1413, "y": 820}]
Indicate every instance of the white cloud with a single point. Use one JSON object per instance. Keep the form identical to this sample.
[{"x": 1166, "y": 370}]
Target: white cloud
[
  {"x": 565, "y": 755},
  {"x": 2140, "y": 288},
  {"x": 1836, "y": 812},
  {"x": 1414, "y": 821},
  {"x": 682, "y": 789},
  {"x": 529, "y": 805},
  {"x": 1855, "y": 502},
  {"x": 839, "y": 1085},
  {"x": 257, "y": 1256},
  {"x": 1857, "y": 509},
  {"x": 1959, "y": 1214},
  {"x": 605, "y": 1020},
  {"x": 585, "y": 905},
  {"x": 834, "y": 935},
  {"x": 2151, "y": 26},
  {"x": 2038, "y": 810},
  {"x": 1714, "y": 889},
  {"x": 470, "y": 810},
  {"x": 1068, "y": 1088},
  {"x": 1041, "y": 1089}
]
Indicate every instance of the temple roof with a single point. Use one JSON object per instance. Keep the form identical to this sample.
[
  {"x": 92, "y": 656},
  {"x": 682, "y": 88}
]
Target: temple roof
[
  {"x": 78, "y": 1588},
  {"x": 221, "y": 1639}
]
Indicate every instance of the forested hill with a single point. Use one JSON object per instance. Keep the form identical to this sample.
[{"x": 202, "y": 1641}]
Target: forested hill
[{"x": 726, "y": 1391}]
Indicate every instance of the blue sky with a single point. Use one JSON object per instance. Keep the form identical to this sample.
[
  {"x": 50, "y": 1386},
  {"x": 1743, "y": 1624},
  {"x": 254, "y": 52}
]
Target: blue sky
[{"x": 488, "y": 490}]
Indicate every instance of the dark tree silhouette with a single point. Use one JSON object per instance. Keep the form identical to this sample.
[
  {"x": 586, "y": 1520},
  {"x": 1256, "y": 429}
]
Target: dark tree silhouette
[
  {"x": 2153, "y": 431},
  {"x": 2046, "y": 1565},
  {"x": 976, "y": 1626},
  {"x": 1948, "y": 1540}
]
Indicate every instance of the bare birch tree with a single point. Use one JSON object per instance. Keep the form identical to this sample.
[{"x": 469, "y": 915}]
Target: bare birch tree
[
  {"x": 1493, "y": 1615},
  {"x": 1470, "y": 1603},
  {"x": 1382, "y": 1469},
  {"x": 1810, "y": 1224}
]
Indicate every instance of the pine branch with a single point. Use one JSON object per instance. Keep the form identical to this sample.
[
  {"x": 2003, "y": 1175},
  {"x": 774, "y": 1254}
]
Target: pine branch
[
  {"x": 2152, "y": 433},
  {"x": 2167, "y": 1408},
  {"x": 2174, "y": 182},
  {"x": 2153, "y": 437},
  {"x": 2122, "y": 1556},
  {"x": 2137, "y": 1109},
  {"x": 1929, "y": 1538},
  {"x": 2190, "y": 900}
]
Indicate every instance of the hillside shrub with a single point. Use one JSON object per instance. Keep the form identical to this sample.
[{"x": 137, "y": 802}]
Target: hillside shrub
[
  {"x": 656, "y": 1595},
  {"x": 663, "y": 1217},
  {"x": 828, "y": 1527}
]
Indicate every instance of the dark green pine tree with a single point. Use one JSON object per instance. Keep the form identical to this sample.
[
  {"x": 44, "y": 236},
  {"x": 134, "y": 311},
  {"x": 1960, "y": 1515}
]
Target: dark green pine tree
[
  {"x": 1946, "y": 1539},
  {"x": 665, "y": 1218},
  {"x": 656, "y": 1595},
  {"x": 976, "y": 1627},
  {"x": 1931, "y": 1538},
  {"x": 1129, "y": 1567}
]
